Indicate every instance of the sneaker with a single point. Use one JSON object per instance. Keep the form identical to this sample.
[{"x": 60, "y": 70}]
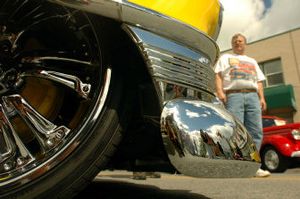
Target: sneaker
[
  {"x": 139, "y": 176},
  {"x": 262, "y": 173},
  {"x": 153, "y": 175}
]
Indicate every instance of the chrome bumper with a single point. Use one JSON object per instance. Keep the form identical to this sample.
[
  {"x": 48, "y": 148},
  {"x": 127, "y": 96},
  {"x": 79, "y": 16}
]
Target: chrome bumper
[
  {"x": 204, "y": 140},
  {"x": 201, "y": 139},
  {"x": 295, "y": 154}
]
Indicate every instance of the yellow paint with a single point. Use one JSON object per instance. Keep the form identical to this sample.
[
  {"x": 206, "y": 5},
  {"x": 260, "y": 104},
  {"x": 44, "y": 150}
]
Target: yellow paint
[{"x": 201, "y": 14}]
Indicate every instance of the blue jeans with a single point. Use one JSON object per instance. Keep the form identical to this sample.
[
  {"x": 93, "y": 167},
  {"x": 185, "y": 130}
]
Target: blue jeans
[{"x": 246, "y": 107}]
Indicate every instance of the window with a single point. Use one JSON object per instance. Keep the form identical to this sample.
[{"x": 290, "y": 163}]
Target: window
[{"x": 273, "y": 72}]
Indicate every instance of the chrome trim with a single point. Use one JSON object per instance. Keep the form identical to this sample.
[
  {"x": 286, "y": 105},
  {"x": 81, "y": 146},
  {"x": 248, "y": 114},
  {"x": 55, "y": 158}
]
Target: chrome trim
[
  {"x": 295, "y": 154},
  {"x": 174, "y": 66},
  {"x": 205, "y": 140},
  {"x": 135, "y": 15}
]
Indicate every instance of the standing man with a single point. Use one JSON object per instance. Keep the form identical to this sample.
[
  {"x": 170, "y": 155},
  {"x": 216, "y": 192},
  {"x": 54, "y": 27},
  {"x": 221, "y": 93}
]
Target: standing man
[{"x": 239, "y": 86}]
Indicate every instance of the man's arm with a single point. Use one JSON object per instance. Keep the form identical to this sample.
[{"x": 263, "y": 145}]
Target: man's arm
[
  {"x": 219, "y": 87},
  {"x": 261, "y": 96}
]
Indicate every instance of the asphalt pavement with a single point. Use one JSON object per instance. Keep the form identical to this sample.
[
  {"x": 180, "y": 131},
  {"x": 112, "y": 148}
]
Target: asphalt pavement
[{"x": 119, "y": 184}]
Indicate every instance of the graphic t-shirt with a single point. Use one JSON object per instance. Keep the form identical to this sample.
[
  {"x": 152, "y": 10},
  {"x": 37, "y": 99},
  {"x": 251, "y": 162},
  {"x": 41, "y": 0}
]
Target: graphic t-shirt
[{"x": 239, "y": 72}]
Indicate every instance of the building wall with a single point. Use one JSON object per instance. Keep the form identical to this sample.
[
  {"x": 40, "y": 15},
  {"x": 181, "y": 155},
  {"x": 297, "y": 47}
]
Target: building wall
[{"x": 287, "y": 47}]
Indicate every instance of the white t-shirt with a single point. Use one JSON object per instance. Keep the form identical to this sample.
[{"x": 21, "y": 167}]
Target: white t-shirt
[{"x": 239, "y": 72}]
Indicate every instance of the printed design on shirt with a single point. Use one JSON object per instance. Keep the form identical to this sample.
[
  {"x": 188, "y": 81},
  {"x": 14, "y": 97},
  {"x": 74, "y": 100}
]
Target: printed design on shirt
[{"x": 241, "y": 70}]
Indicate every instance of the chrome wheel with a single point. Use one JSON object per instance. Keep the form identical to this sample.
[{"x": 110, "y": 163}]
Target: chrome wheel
[
  {"x": 53, "y": 87},
  {"x": 271, "y": 159}
]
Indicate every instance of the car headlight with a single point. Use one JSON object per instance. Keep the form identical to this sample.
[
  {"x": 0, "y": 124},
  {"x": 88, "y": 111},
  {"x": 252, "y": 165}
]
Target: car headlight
[{"x": 296, "y": 134}]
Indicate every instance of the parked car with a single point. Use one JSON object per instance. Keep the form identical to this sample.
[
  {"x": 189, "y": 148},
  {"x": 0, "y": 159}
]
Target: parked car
[
  {"x": 281, "y": 143},
  {"x": 88, "y": 85}
]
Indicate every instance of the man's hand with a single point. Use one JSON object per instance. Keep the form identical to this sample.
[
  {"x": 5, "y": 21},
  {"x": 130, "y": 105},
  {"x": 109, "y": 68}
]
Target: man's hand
[
  {"x": 222, "y": 97},
  {"x": 261, "y": 96},
  {"x": 263, "y": 105},
  {"x": 219, "y": 87}
]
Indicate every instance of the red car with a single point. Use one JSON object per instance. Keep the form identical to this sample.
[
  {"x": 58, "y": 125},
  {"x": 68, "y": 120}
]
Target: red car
[{"x": 280, "y": 145}]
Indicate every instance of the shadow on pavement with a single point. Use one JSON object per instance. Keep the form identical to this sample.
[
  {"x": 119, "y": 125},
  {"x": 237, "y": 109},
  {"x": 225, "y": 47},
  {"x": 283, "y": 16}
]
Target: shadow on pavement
[{"x": 113, "y": 189}]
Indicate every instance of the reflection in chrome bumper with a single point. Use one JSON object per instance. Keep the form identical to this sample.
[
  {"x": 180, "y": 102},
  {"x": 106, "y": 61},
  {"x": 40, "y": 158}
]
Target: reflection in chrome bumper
[
  {"x": 204, "y": 140},
  {"x": 295, "y": 154}
]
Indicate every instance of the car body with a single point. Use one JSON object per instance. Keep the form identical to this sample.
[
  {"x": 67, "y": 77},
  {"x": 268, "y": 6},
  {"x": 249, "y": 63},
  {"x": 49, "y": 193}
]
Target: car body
[
  {"x": 281, "y": 143},
  {"x": 88, "y": 85}
]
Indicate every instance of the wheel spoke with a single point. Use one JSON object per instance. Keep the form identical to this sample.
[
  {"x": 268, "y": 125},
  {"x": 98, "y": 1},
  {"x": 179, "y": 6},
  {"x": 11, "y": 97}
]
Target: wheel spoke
[
  {"x": 48, "y": 134},
  {"x": 17, "y": 9},
  {"x": 71, "y": 81},
  {"x": 34, "y": 16},
  {"x": 32, "y": 34},
  {"x": 55, "y": 58},
  {"x": 40, "y": 18},
  {"x": 31, "y": 13},
  {"x": 13, "y": 151}
]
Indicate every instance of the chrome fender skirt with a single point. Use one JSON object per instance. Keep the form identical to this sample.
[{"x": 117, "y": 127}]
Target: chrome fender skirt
[{"x": 204, "y": 140}]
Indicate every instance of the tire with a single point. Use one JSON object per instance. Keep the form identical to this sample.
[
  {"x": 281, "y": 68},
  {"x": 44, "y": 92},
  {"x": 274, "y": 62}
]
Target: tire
[
  {"x": 273, "y": 161},
  {"x": 60, "y": 103}
]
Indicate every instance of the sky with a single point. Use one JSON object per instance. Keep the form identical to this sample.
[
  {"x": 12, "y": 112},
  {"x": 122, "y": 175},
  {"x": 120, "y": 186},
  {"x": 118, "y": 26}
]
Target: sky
[{"x": 257, "y": 19}]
